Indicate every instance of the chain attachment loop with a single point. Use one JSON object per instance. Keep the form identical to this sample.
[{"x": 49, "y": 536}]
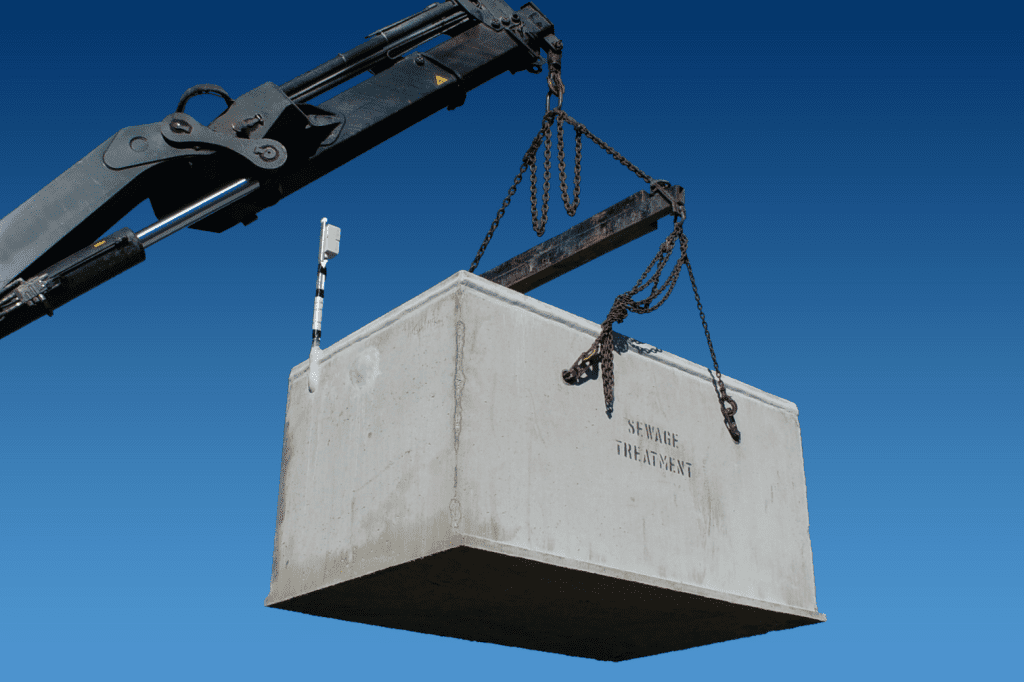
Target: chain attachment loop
[
  {"x": 555, "y": 85},
  {"x": 661, "y": 187},
  {"x": 547, "y": 102}
]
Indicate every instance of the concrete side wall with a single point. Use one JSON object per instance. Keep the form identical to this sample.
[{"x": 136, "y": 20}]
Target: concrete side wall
[
  {"x": 368, "y": 470},
  {"x": 657, "y": 489},
  {"x": 445, "y": 423}
]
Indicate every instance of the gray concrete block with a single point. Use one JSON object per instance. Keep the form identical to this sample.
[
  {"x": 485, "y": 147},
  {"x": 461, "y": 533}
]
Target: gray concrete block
[{"x": 443, "y": 479}]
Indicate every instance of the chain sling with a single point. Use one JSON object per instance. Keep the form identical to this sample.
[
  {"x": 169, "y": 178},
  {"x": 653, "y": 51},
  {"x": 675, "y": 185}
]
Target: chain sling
[{"x": 600, "y": 353}]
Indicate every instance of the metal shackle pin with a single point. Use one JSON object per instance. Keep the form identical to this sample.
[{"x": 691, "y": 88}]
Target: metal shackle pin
[{"x": 330, "y": 245}]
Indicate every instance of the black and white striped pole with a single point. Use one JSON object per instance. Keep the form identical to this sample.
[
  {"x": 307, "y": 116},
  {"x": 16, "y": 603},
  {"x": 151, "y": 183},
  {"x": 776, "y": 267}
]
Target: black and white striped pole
[{"x": 330, "y": 244}]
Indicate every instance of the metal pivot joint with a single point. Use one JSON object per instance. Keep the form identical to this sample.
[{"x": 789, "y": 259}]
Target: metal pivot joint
[
  {"x": 181, "y": 130},
  {"x": 255, "y": 128}
]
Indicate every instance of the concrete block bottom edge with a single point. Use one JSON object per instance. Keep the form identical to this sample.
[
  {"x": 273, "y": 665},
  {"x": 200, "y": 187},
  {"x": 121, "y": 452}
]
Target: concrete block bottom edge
[{"x": 543, "y": 607}]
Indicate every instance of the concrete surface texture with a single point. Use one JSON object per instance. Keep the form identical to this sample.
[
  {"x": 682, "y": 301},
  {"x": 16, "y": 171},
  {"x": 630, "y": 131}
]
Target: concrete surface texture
[{"x": 444, "y": 479}]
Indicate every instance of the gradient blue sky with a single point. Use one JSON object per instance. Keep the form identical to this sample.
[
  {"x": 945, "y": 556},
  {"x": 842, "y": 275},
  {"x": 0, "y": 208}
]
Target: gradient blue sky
[{"x": 853, "y": 177}]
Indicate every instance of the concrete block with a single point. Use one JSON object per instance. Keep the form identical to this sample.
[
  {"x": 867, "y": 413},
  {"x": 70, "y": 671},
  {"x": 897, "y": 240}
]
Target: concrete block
[{"x": 443, "y": 479}]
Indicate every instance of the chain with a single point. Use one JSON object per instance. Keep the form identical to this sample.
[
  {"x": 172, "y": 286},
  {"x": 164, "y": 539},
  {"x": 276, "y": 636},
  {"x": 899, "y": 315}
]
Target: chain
[
  {"x": 529, "y": 163},
  {"x": 600, "y": 353},
  {"x": 539, "y": 228},
  {"x": 570, "y": 204},
  {"x": 729, "y": 413}
]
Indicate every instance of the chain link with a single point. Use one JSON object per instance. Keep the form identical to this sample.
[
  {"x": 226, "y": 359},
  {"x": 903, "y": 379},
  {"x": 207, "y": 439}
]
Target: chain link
[
  {"x": 533, "y": 198},
  {"x": 727, "y": 412},
  {"x": 539, "y": 229},
  {"x": 529, "y": 163},
  {"x": 501, "y": 214},
  {"x": 570, "y": 204}
]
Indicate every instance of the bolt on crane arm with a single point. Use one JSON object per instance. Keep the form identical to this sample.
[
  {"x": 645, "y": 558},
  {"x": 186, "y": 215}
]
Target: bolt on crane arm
[{"x": 267, "y": 144}]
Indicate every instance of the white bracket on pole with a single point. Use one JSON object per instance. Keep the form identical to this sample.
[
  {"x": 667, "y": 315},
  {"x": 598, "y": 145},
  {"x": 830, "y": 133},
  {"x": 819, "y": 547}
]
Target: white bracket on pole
[{"x": 330, "y": 245}]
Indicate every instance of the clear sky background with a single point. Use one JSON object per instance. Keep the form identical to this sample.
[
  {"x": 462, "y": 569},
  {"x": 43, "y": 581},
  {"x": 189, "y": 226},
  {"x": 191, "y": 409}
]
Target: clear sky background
[{"x": 853, "y": 177}]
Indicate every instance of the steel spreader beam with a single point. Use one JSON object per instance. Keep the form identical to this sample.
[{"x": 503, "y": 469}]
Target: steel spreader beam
[{"x": 631, "y": 218}]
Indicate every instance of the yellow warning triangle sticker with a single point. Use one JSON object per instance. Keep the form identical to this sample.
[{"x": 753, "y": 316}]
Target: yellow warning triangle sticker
[{"x": 441, "y": 80}]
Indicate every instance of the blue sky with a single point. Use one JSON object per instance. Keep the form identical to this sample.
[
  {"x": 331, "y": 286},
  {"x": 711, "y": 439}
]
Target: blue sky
[{"x": 853, "y": 178}]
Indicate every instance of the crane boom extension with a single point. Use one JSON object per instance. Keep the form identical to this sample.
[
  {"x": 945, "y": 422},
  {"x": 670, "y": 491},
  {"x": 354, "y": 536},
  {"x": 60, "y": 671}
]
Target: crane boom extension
[{"x": 269, "y": 143}]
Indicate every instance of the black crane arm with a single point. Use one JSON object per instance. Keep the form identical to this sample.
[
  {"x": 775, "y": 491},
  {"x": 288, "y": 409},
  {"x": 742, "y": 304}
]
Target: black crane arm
[{"x": 267, "y": 144}]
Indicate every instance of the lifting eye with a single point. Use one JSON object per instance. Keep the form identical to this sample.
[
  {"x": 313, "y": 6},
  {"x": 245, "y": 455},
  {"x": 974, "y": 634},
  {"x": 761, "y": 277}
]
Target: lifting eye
[{"x": 204, "y": 89}]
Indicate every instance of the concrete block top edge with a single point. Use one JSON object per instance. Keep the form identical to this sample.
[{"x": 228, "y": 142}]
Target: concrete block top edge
[{"x": 468, "y": 280}]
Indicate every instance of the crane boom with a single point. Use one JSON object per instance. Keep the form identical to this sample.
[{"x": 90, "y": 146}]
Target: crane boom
[{"x": 267, "y": 144}]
